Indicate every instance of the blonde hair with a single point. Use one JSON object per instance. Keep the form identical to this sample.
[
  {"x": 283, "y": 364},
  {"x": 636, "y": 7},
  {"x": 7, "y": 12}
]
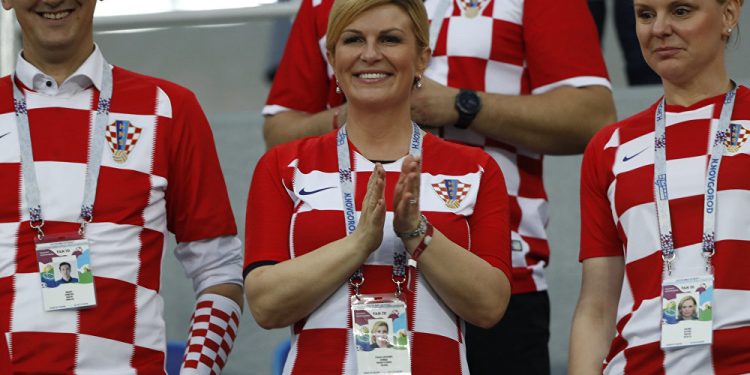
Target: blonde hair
[
  {"x": 379, "y": 323},
  {"x": 685, "y": 299},
  {"x": 344, "y": 12}
]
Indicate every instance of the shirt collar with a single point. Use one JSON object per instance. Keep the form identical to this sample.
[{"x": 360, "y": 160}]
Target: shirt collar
[{"x": 89, "y": 73}]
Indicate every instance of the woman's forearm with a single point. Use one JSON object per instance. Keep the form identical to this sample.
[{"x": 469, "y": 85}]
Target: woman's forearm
[
  {"x": 284, "y": 293},
  {"x": 471, "y": 287},
  {"x": 594, "y": 321}
]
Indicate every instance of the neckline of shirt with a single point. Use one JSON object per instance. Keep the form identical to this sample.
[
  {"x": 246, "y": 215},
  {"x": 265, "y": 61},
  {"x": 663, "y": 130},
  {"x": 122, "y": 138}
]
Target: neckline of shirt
[
  {"x": 88, "y": 74},
  {"x": 717, "y": 99}
]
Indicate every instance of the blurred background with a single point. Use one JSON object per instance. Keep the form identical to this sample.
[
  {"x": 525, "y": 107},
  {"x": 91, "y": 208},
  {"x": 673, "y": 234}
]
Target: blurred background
[{"x": 224, "y": 50}]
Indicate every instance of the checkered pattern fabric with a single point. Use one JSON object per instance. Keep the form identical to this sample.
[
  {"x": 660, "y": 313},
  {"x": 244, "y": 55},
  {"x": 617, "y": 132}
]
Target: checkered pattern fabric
[
  {"x": 735, "y": 137},
  {"x": 133, "y": 211},
  {"x": 619, "y": 219},
  {"x": 124, "y": 141},
  {"x": 513, "y": 47},
  {"x": 451, "y": 191},
  {"x": 322, "y": 343},
  {"x": 213, "y": 329}
]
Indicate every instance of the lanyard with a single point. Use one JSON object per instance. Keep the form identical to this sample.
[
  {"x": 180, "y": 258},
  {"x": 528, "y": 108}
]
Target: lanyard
[
  {"x": 709, "y": 197},
  {"x": 92, "y": 168},
  {"x": 347, "y": 196}
]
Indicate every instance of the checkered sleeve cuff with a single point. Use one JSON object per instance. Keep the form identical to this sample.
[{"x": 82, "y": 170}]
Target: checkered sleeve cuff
[{"x": 213, "y": 329}]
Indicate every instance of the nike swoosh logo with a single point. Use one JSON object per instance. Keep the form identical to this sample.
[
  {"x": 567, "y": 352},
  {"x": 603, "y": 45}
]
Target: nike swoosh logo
[
  {"x": 626, "y": 157},
  {"x": 303, "y": 192},
  {"x": 4, "y": 134}
]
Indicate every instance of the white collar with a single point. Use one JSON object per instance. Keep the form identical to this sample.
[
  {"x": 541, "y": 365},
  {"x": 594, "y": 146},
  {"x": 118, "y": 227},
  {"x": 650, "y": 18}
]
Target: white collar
[{"x": 89, "y": 73}]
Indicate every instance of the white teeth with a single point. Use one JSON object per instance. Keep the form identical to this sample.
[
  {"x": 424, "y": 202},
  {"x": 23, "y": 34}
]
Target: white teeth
[
  {"x": 55, "y": 16},
  {"x": 372, "y": 75}
]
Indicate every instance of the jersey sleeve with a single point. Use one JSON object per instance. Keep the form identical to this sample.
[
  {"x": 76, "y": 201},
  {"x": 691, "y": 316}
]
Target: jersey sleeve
[
  {"x": 197, "y": 201},
  {"x": 269, "y": 214},
  {"x": 301, "y": 82},
  {"x": 562, "y": 45},
  {"x": 489, "y": 224},
  {"x": 599, "y": 234}
]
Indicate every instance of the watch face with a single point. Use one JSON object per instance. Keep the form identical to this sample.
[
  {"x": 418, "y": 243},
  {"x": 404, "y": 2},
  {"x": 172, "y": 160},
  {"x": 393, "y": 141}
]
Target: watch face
[{"x": 468, "y": 101}]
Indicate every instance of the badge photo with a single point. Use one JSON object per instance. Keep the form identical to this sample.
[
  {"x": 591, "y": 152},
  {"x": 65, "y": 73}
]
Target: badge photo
[
  {"x": 381, "y": 335},
  {"x": 687, "y": 312},
  {"x": 65, "y": 271}
]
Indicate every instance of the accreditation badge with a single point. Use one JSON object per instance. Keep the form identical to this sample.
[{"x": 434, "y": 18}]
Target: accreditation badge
[
  {"x": 687, "y": 311},
  {"x": 381, "y": 334},
  {"x": 65, "y": 270}
]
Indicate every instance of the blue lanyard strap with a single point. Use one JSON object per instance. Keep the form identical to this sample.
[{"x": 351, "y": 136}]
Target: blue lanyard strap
[
  {"x": 96, "y": 148},
  {"x": 346, "y": 181},
  {"x": 710, "y": 188}
]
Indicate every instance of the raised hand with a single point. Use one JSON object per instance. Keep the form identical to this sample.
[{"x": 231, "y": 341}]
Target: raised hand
[
  {"x": 369, "y": 230},
  {"x": 433, "y": 104},
  {"x": 406, "y": 211}
]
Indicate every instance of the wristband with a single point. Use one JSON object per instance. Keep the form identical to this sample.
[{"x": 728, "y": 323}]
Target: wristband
[
  {"x": 424, "y": 243},
  {"x": 213, "y": 330},
  {"x": 420, "y": 231}
]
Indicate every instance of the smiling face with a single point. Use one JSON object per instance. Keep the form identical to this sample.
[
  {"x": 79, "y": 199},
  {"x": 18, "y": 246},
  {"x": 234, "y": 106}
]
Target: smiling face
[
  {"x": 376, "y": 57},
  {"x": 380, "y": 334},
  {"x": 687, "y": 308},
  {"x": 684, "y": 39},
  {"x": 56, "y": 25}
]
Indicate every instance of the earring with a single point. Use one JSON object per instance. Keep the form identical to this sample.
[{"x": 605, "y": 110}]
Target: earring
[
  {"x": 338, "y": 88},
  {"x": 729, "y": 30},
  {"x": 419, "y": 81}
]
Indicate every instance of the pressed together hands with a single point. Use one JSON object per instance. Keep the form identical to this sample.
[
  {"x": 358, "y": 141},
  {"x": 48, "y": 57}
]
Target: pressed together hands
[{"x": 406, "y": 213}]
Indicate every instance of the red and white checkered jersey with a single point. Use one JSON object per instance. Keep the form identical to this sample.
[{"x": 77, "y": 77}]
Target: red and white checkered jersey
[
  {"x": 619, "y": 219},
  {"x": 514, "y": 47},
  {"x": 295, "y": 207},
  {"x": 169, "y": 181}
]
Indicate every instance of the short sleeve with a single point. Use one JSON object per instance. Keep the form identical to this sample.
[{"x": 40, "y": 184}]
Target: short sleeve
[
  {"x": 269, "y": 213},
  {"x": 599, "y": 234},
  {"x": 301, "y": 82},
  {"x": 489, "y": 224},
  {"x": 562, "y": 45},
  {"x": 197, "y": 201}
]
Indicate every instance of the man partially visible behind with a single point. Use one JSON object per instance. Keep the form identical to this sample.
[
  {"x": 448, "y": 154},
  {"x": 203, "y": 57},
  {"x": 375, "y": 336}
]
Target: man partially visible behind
[{"x": 110, "y": 160}]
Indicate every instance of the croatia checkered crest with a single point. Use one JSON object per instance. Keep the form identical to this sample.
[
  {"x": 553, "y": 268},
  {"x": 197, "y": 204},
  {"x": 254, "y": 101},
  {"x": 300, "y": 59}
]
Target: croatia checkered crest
[
  {"x": 735, "y": 137},
  {"x": 451, "y": 191},
  {"x": 122, "y": 136}
]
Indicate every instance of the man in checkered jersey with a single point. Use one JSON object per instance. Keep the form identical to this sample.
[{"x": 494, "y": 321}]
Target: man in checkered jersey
[
  {"x": 158, "y": 172},
  {"x": 503, "y": 76}
]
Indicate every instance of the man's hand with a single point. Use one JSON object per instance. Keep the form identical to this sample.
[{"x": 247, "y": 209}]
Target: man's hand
[{"x": 433, "y": 104}]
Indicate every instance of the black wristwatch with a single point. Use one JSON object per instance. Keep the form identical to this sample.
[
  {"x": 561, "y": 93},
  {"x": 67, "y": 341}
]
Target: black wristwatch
[{"x": 468, "y": 105}]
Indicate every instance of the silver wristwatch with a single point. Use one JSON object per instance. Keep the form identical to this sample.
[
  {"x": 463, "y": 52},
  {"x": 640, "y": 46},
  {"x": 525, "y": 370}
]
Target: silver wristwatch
[{"x": 419, "y": 232}]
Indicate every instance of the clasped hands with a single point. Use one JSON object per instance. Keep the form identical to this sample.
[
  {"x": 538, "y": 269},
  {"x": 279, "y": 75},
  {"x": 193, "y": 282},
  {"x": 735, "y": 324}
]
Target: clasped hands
[{"x": 406, "y": 213}]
